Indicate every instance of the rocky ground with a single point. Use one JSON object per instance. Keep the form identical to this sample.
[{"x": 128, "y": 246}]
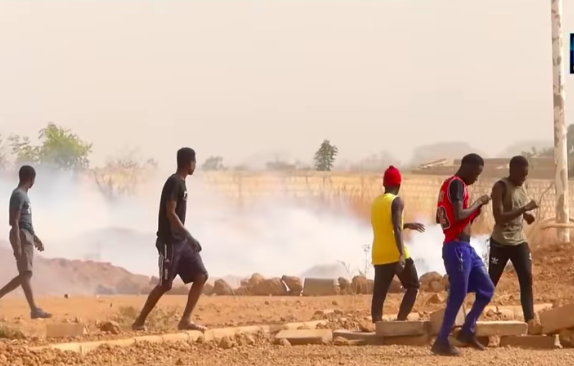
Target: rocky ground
[{"x": 343, "y": 311}]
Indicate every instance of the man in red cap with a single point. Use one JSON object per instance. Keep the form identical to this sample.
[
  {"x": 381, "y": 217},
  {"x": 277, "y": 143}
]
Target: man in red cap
[{"x": 390, "y": 256}]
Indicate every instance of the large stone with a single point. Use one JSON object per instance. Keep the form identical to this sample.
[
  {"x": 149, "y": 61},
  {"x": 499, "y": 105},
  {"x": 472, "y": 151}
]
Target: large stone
[
  {"x": 65, "y": 330},
  {"x": 555, "y": 319},
  {"x": 567, "y": 338},
  {"x": 305, "y": 336},
  {"x": 530, "y": 342},
  {"x": 401, "y": 328},
  {"x": 501, "y": 328},
  {"x": 437, "y": 317},
  {"x": 320, "y": 287},
  {"x": 370, "y": 338}
]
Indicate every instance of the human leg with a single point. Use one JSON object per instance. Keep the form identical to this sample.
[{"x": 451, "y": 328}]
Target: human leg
[
  {"x": 166, "y": 263},
  {"x": 458, "y": 264},
  {"x": 497, "y": 260},
  {"x": 480, "y": 283},
  {"x": 384, "y": 274},
  {"x": 410, "y": 280},
  {"x": 522, "y": 261},
  {"x": 192, "y": 270}
]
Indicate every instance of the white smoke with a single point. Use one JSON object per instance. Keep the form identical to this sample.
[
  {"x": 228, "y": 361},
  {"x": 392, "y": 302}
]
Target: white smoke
[{"x": 273, "y": 236}]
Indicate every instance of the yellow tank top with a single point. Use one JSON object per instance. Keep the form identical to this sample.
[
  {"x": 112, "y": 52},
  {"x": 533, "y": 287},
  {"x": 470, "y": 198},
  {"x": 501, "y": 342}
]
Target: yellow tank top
[{"x": 384, "y": 249}]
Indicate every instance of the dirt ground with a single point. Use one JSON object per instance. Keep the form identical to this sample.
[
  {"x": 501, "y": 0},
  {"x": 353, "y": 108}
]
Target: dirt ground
[{"x": 228, "y": 311}]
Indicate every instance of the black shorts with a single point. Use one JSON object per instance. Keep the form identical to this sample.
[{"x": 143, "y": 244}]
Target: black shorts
[{"x": 178, "y": 258}]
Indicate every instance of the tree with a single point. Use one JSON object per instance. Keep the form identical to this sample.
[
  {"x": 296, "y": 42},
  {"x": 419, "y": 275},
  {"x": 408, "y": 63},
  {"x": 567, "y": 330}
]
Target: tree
[
  {"x": 122, "y": 174},
  {"x": 3, "y": 157},
  {"x": 59, "y": 148},
  {"x": 278, "y": 164},
  {"x": 325, "y": 156},
  {"x": 213, "y": 163}
]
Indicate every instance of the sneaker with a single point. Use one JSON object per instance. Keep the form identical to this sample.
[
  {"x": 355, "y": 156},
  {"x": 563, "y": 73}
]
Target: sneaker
[
  {"x": 39, "y": 314},
  {"x": 444, "y": 348},
  {"x": 470, "y": 339}
]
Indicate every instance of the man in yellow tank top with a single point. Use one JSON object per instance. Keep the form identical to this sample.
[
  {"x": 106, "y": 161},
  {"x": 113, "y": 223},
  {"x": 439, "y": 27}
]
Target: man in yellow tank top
[{"x": 390, "y": 256}]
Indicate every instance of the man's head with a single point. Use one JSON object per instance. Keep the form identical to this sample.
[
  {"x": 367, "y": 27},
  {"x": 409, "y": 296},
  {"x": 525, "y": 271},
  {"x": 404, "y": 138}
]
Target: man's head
[
  {"x": 186, "y": 160},
  {"x": 518, "y": 170},
  {"x": 392, "y": 179},
  {"x": 470, "y": 168},
  {"x": 27, "y": 175}
]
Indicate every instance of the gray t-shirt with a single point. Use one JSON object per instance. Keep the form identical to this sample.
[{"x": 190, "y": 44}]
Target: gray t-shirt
[{"x": 20, "y": 201}]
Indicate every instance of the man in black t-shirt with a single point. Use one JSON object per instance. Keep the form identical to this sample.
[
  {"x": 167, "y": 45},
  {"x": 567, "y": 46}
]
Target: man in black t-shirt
[{"x": 178, "y": 249}]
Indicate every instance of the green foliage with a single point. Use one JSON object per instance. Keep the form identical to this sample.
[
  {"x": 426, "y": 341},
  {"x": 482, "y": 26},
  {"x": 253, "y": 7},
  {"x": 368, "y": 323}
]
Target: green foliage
[
  {"x": 58, "y": 148},
  {"x": 325, "y": 156},
  {"x": 213, "y": 163}
]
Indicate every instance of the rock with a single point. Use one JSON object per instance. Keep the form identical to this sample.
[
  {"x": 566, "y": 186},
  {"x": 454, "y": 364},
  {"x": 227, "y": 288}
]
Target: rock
[
  {"x": 110, "y": 327},
  {"x": 269, "y": 287},
  {"x": 435, "y": 299},
  {"x": 294, "y": 284},
  {"x": 283, "y": 342},
  {"x": 432, "y": 282},
  {"x": 255, "y": 279},
  {"x": 226, "y": 343},
  {"x": 366, "y": 327},
  {"x": 222, "y": 288},
  {"x": 208, "y": 289},
  {"x": 344, "y": 284},
  {"x": 340, "y": 341}
]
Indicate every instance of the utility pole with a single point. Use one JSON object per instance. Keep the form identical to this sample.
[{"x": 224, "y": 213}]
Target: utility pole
[{"x": 560, "y": 143}]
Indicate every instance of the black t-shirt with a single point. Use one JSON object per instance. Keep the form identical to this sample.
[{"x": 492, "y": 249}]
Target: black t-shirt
[
  {"x": 455, "y": 191},
  {"x": 173, "y": 189}
]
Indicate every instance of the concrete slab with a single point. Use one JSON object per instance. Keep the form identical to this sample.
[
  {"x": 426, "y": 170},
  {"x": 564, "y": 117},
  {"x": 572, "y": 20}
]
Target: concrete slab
[
  {"x": 368, "y": 338},
  {"x": 437, "y": 316},
  {"x": 401, "y": 328},
  {"x": 530, "y": 342},
  {"x": 305, "y": 336},
  {"x": 501, "y": 328},
  {"x": 305, "y": 325},
  {"x": 555, "y": 319},
  {"x": 65, "y": 330},
  {"x": 175, "y": 337}
]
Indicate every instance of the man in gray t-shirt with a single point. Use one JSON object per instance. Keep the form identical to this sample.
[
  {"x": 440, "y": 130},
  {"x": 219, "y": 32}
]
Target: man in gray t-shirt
[{"x": 23, "y": 240}]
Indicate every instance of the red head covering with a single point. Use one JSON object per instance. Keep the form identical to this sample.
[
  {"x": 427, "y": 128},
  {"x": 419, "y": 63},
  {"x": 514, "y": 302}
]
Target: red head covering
[{"x": 392, "y": 177}]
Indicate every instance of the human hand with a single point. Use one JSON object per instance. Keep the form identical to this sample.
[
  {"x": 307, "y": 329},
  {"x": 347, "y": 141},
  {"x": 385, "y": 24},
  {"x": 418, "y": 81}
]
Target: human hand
[
  {"x": 484, "y": 199},
  {"x": 194, "y": 243},
  {"x": 415, "y": 226},
  {"x": 532, "y": 205},
  {"x": 529, "y": 218},
  {"x": 38, "y": 244},
  {"x": 401, "y": 265}
]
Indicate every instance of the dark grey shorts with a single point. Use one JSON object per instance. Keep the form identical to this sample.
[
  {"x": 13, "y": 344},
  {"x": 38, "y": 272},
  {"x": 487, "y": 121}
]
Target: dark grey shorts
[
  {"x": 178, "y": 258},
  {"x": 26, "y": 261}
]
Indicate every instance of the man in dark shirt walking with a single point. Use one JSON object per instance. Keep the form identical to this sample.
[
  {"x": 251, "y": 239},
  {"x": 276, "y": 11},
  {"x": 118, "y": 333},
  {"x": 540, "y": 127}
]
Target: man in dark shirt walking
[
  {"x": 23, "y": 240},
  {"x": 178, "y": 249}
]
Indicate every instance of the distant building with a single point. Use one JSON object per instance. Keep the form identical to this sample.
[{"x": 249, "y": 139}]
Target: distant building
[{"x": 540, "y": 168}]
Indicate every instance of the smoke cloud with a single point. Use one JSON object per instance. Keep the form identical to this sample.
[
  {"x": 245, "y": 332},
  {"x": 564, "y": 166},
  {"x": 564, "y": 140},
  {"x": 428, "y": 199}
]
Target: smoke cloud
[{"x": 272, "y": 236}]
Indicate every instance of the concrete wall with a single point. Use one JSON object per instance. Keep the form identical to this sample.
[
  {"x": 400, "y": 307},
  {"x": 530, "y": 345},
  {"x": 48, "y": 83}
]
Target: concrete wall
[{"x": 420, "y": 192}]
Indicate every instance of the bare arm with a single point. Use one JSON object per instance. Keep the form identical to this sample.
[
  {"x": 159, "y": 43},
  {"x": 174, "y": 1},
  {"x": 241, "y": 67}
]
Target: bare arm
[
  {"x": 174, "y": 220},
  {"x": 396, "y": 215},
  {"x": 16, "y": 204},
  {"x": 501, "y": 217}
]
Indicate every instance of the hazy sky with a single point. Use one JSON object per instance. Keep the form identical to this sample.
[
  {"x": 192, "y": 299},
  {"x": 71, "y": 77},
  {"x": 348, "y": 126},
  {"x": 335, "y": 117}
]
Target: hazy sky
[{"x": 240, "y": 78}]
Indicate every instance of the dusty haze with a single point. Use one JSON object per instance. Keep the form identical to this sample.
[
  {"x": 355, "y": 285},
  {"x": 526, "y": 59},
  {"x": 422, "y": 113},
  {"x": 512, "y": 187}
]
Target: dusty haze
[{"x": 245, "y": 79}]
